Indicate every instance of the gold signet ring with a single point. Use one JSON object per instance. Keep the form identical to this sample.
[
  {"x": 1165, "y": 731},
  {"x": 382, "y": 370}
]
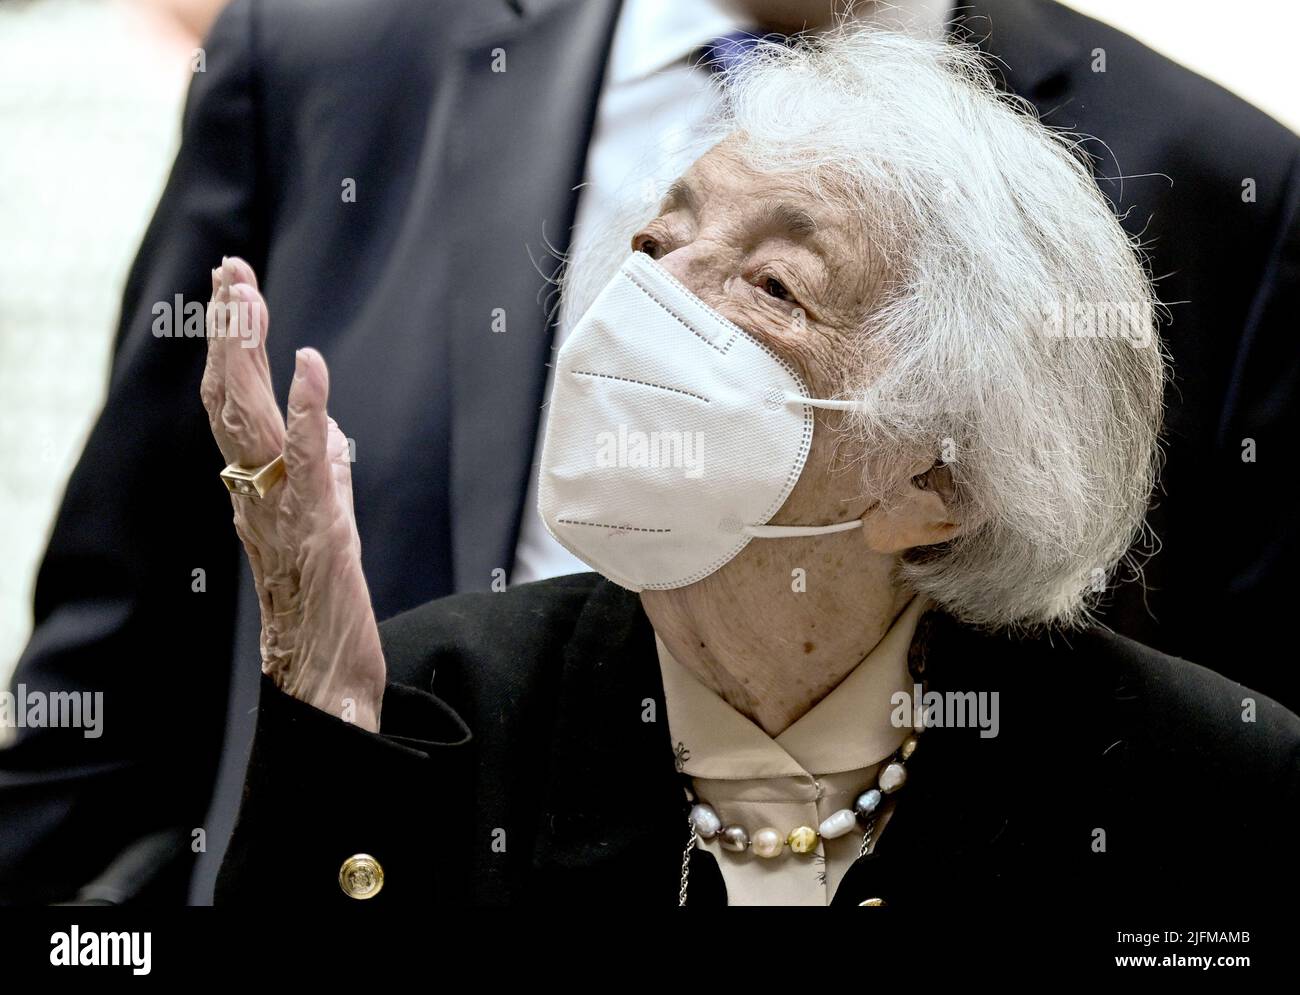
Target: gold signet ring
[{"x": 253, "y": 481}]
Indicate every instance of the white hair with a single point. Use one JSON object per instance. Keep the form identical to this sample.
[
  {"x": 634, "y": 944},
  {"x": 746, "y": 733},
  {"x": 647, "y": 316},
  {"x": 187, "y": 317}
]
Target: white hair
[{"x": 1014, "y": 336}]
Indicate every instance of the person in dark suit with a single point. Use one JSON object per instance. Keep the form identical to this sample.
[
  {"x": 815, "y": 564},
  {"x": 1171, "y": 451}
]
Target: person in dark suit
[
  {"x": 839, "y": 649},
  {"x": 387, "y": 132}
]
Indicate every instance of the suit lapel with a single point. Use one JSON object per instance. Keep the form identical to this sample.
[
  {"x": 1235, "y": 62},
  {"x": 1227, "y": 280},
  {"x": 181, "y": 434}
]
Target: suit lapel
[
  {"x": 981, "y": 816},
  {"x": 614, "y": 818},
  {"x": 955, "y": 816},
  {"x": 521, "y": 99}
]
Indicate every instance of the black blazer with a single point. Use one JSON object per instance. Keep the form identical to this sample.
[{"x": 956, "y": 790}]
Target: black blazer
[
  {"x": 463, "y": 176},
  {"x": 518, "y": 718}
]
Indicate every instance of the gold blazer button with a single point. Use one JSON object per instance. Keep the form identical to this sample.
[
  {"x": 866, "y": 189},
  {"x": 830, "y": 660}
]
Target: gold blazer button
[{"x": 361, "y": 876}]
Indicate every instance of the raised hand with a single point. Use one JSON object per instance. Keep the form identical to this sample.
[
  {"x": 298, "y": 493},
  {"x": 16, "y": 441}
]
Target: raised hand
[{"x": 320, "y": 642}]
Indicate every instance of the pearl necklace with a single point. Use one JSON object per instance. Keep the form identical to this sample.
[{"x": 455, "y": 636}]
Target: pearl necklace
[{"x": 768, "y": 842}]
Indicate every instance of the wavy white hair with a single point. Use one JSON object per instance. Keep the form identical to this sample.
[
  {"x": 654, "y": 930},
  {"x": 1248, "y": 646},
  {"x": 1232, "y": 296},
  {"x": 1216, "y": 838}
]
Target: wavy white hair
[{"x": 1014, "y": 339}]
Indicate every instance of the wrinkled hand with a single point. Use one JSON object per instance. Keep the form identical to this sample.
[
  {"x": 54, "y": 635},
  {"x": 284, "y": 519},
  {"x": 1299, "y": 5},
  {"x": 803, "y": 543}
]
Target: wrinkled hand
[{"x": 320, "y": 642}]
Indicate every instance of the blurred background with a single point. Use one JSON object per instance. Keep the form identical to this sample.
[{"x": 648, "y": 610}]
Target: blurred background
[
  {"x": 102, "y": 82},
  {"x": 83, "y": 83}
]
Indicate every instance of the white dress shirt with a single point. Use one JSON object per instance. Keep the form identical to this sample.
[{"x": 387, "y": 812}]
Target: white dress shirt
[{"x": 652, "y": 104}]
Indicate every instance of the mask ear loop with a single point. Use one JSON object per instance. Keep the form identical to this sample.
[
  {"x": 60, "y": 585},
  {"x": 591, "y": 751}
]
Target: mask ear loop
[
  {"x": 795, "y": 531},
  {"x": 818, "y": 402}
]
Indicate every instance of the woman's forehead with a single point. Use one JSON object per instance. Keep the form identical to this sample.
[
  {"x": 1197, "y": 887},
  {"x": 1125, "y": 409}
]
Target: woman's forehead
[
  {"x": 724, "y": 170},
  {"x": 723, "y": 180}
]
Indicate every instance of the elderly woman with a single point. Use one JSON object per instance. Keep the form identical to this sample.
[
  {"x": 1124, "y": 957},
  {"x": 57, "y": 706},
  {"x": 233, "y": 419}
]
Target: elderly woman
[{"x": 853, "y": 438}]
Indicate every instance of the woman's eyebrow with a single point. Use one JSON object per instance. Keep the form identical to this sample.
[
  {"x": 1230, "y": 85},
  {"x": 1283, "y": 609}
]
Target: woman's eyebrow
[
  {"x": 791, "y": 219},
  {"x": 680, "y": 196}
]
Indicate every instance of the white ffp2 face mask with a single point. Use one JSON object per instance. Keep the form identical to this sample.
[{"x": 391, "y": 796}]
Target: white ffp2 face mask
[{"x": 673, "y": 436}]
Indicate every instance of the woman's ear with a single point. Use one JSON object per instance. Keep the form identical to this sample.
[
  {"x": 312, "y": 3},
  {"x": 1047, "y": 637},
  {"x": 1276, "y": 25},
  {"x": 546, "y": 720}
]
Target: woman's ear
[{"x": 924, "y": 514}]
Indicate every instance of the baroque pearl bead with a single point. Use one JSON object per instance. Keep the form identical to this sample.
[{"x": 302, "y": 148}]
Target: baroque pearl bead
[
  {"x": 734, "y": 838},
  {"x": 908, "y": 748},
  {"x": 893, "y": 777},
  {"x": 837, "y": 824},
  {"x": 705, "y": 820},
  {"x": 767, "y": 842},
  {"x": 866, "y": 803},
  {"x": 803, "y": 839}
]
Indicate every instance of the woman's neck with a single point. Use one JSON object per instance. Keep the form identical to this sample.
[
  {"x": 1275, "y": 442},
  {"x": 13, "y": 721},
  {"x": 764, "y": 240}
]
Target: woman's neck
[{"x": 781, "y": 625}]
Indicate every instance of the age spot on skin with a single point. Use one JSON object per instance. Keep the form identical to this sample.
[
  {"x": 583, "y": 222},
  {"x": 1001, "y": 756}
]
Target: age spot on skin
[{"x": 808, "y": 647}]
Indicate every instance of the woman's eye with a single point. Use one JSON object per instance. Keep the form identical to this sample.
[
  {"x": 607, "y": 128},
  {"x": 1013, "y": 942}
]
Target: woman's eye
[{"x": 774, "y": 288}]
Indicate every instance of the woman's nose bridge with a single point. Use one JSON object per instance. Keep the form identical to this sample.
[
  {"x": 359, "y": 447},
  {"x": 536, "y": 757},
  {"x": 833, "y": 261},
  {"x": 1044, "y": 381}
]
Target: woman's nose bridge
[{"x": 700, "y": 265}]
